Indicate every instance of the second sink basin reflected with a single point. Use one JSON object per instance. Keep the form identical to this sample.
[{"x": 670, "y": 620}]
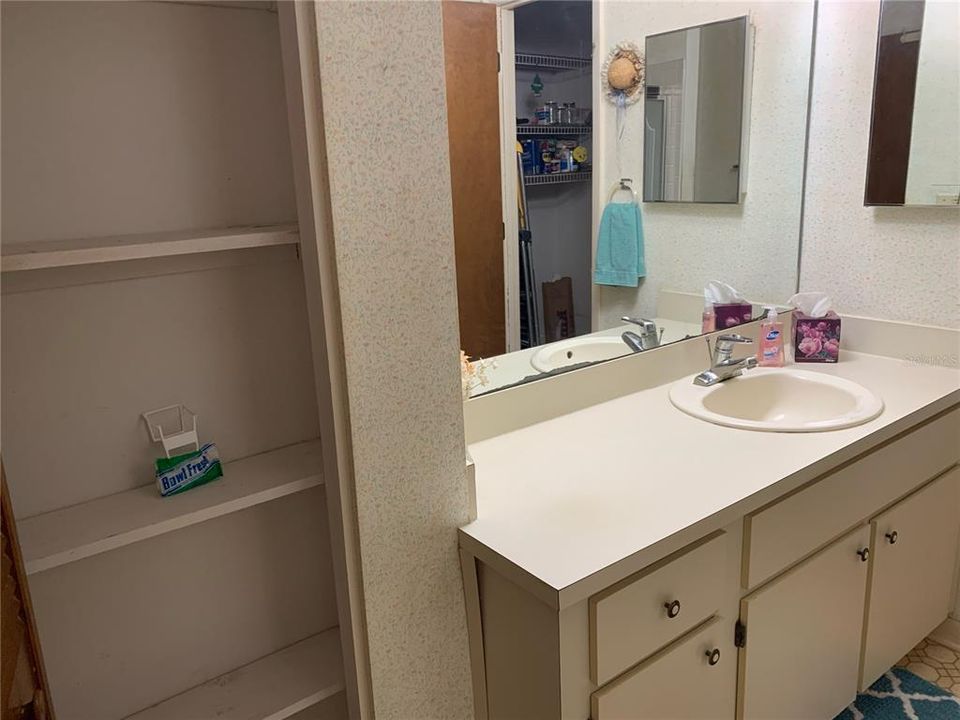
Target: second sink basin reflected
[{"x": 578, "y": 350}]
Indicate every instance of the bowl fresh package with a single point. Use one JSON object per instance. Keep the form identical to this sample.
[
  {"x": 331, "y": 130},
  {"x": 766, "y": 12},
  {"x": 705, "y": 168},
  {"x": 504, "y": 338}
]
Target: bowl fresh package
[
  {"x": 175, "y": 428},
  {"x": 189, "y": 470}
]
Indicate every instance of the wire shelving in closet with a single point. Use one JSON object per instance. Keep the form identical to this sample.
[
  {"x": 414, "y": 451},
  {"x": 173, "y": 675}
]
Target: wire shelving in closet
[
  {"x": 551, "y": 62},
  {"x": 558, "y": 178},
  {"x": 553, "y": 130}
]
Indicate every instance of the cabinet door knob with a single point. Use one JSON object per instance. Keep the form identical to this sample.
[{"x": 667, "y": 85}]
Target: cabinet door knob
[
  {"x": 713, "y": 655},
  {"x": 892, "y": 537},
  {"x": 864, "y": 554},
  {"x": 673, "y": 608}
]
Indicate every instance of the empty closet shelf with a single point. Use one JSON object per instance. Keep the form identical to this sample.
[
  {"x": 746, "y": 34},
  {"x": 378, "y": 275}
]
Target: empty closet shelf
[
  {"x": 272, "y": 688},
  {"x": 64, "y": 253},
  {"x": 79, "y": 531}
]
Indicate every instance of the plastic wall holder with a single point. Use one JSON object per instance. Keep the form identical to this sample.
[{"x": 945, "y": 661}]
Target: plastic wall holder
[{"x": 181, "y": 427}]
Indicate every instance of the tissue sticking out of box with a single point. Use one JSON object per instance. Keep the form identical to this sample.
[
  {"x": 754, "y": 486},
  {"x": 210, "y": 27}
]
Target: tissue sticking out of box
[
  {"x": 812, "y": 304},
  {"x": 719, "y": 293}
]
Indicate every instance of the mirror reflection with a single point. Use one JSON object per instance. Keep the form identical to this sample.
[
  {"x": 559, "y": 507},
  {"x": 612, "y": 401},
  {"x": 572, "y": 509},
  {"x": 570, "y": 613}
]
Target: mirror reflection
[
  {"x": 915, "y": 129},
  {"x": 581, "y": 239},
  {"x": 693, "y": 108}
]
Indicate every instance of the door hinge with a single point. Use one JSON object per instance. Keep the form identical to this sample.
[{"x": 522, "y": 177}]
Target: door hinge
[
  {"x": 503, "y": 230},
  {"x": 740, "y": 634},
  {"x": 498, "y": 61}
]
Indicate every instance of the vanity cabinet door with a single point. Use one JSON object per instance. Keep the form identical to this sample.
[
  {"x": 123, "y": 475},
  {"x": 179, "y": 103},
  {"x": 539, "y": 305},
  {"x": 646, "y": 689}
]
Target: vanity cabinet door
[
  {"x": 803, "y": 633},
  {"x": 914, "y": 553},
  {"x": 695, "y": 678}
]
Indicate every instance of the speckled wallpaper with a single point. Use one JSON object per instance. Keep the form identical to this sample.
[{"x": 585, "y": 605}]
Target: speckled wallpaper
[
  {"x": 382, "y": 78},
  {"x": 894, "y": 263}
]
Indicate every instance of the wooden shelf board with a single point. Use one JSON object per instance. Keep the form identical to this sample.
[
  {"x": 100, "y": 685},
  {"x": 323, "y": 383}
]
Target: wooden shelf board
[
  {"x": 73, "y": 533},
  {"x": 65, "y": 253},
  {"x": 272, "y": 688}
]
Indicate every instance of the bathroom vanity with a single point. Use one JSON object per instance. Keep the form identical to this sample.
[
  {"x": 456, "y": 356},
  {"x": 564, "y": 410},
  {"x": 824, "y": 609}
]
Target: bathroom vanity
[{"x": 632, "y": 561}]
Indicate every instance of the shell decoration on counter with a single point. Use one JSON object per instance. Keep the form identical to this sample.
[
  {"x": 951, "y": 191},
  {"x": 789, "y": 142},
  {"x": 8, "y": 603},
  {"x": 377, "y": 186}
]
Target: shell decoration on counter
[
  {"x": 473, "y": 373},
  {"x": 623, "y": 74}
]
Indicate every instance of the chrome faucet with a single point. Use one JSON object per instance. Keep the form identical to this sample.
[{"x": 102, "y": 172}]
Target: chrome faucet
[
  {"x": 722, "y": 365},
  {"x": 648, "y": 338},
  {"x": 633, "y": 341}
]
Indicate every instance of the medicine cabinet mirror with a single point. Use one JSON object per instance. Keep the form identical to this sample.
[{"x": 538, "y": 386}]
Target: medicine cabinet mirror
[
  {"x": 694, "y": 106},
  {"x": 539, "y": 148},
  {"x": 915, "y": 126}
]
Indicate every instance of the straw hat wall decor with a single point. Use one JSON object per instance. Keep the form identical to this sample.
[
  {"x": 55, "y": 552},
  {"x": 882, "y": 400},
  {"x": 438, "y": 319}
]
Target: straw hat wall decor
[{"x": 623, "y": 73}]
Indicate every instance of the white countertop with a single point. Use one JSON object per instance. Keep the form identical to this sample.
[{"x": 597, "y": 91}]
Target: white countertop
[{"x": 567, "y": 498}]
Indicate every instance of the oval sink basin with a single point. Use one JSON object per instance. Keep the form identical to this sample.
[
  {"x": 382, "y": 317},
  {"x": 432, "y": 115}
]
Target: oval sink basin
[
  {"x": 578, "y": 350},
  {"x": 779, "y": 400}
]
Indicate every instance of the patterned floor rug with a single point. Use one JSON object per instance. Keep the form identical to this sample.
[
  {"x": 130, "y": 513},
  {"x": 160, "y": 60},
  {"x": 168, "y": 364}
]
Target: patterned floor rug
[{"x": 901, "y": 695}]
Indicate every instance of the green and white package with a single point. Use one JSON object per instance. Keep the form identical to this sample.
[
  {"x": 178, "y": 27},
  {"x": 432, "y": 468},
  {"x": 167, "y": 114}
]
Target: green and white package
[{"x": 182, "y": 472}]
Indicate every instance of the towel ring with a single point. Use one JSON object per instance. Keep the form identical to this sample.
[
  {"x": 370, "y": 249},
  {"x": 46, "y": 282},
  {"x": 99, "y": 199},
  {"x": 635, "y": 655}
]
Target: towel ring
[{"x": 623, "y": 184}]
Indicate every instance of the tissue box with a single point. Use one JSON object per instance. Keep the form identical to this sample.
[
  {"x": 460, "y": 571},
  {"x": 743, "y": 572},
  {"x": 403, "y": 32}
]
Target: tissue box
[
  {"x": 730, "y": 314},
  {"x": 816, "y": 339}
]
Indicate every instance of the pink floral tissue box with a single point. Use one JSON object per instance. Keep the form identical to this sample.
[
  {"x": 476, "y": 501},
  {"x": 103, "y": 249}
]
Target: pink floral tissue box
[
  {"x": 729, "y": 314},
  {"x": 816, "y": 339}
]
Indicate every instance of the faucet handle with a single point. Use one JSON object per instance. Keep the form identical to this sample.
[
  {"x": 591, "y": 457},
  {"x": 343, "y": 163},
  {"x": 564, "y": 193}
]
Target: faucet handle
[
  {"x": 646, "y": 325},
  {"x": 734, "y": 338}
]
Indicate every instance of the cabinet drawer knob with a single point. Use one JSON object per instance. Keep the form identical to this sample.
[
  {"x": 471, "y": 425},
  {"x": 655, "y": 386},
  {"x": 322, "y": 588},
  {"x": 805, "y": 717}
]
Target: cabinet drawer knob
[
  {"x": 673, "y": 608},
  {"x": 713, "y": 655},
  {"x": 892, "y": 537},
  {"x": 864, "y": 554}
]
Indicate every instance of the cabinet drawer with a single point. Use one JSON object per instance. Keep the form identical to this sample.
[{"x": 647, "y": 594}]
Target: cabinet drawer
[
  {"x": 794, "y": 527},
  {"x": 646, "y": 611},
  {"x": 693, "y": 679}
]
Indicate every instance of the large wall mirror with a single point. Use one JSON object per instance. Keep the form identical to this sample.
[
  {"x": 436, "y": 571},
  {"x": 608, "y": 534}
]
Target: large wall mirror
[
  {"x": 542, "y": 157},
  {"x": 915, "y": 128}
]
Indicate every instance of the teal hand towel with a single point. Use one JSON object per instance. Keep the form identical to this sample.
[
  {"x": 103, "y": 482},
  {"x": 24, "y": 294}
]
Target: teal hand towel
[{"x": 620, "y": 246}]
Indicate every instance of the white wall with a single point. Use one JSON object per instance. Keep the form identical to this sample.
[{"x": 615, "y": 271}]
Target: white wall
[
  {"x": 175, "y": 119},
  {"x": 894, "y": 263},
  {"x": 753, "y": 245}
]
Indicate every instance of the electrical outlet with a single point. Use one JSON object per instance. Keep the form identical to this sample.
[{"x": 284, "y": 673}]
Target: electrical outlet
[{"x": 948, "y": 198}]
